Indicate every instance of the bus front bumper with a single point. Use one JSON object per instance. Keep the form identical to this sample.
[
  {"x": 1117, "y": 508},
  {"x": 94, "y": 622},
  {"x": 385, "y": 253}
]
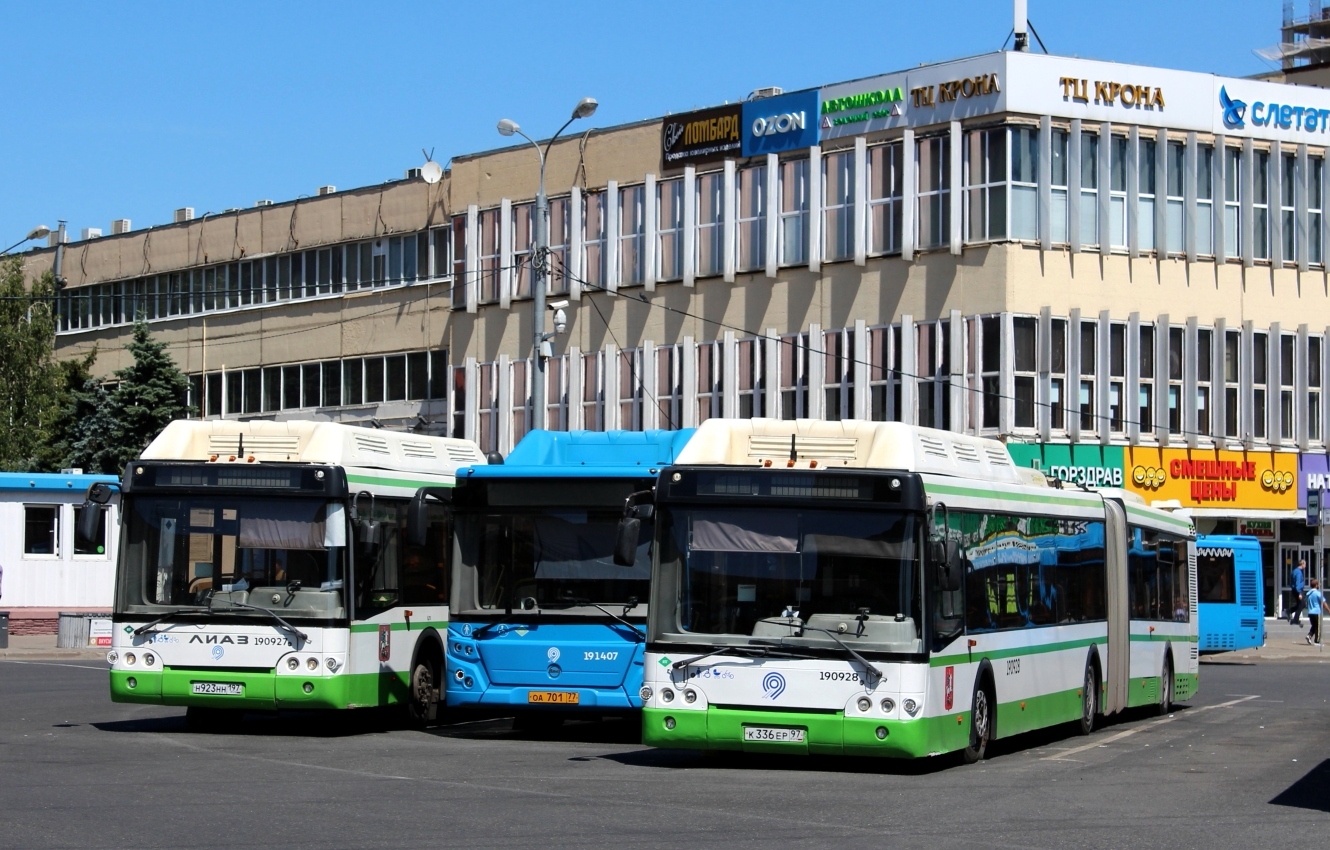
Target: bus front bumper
[
  {"x": 823, "y": 733},
  {"x": 260, "y": 690},
  {"x": 589, "y": 700}
]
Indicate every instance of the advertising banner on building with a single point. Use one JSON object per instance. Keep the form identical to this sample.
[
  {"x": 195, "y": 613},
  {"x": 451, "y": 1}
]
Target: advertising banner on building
[
  {"x": 1090, "y": 465},
  {"x": 1200, "y": 478},
  {"x": 1313, "y": 474},
  {"x": 783, "y": 123},
  {"x": 703, "y": 136}
]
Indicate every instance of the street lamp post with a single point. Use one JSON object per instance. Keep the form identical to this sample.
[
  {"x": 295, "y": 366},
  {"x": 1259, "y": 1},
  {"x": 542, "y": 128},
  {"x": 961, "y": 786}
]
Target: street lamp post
[
  {"x": 37, "y": 232},
  {"x": 540, "y": 259}
]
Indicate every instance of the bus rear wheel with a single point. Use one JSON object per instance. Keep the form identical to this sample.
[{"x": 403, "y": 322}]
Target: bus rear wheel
[
  {"x": 1165, "y": 705},
  {"x": 1089, "y": 700},
  {"x": 981, "y": 725}
]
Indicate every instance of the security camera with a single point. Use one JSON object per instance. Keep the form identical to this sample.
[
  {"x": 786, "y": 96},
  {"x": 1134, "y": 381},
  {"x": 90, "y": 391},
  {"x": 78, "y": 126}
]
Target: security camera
[
  {"x": 560, "y": 320},
  {"x": 556, "y": 305}
]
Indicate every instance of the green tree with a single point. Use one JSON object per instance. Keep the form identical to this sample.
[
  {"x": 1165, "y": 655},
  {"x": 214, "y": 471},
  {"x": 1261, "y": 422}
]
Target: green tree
[
  {"x": 75, "y": 402},
  {"x": 148, "y": 395},
  {"x": 30, "y": 380}
]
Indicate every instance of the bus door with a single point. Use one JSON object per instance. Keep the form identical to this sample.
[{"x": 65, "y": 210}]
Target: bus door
[
  {"x": 1119, "y": 634},
  {"x": 1289, "y": 555}
]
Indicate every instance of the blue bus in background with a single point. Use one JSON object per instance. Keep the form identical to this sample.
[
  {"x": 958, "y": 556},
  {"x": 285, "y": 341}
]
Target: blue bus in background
[
  {"x": 543, "y": 623},
  {"x": 1229, "y": 593}
]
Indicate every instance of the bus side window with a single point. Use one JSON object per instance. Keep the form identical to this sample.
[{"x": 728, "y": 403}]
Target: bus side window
[
  {"x": 378, "y": 581},
  {"x": 426, "y": 569}
]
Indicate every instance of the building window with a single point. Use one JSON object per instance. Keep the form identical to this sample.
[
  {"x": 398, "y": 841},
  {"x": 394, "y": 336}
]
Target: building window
[
  {"x": 669, "y": 228},
  {"x": 1024, "y": 330},
  {"x": 838, "y": 379},
  {"x": 1058, "y": 172},
  {"x": 794, "y": 376},
  {"x": 593, "y": 245},
  {"x": 1174, "y": 216},
  {"x": 632, "y": 234},
  {"x": 523, "y": 227},
  {"x": 1175, "y": 346},
  {"x": 1089, "y": 422},
  {"x": 556, "y": 383},
  {"x": 1260, "y": 219},
  {"x": 1025, "y": 183},
  {"x": 1260, "y": 375},
  {"x": 934, "y": 192},
  {"x": 1314, "y": 389},
  {"x": 591, "y": 391},
  {"x": 1117, "y": 376},
  {"x": 986, "y": 185},
  {"x": 934, "y": 370},
  {"x": 41, "y": 530},
  {"x": 1287, "y": 345},
  {"x": 487, "y": 404},
  {"x": 884, "y": 379},
  {"x": 710, "y": 244},
  {"x": 752, "y": 222},
  {"x": 1089, "y": 189},
  {"x": 1145, "y": 395},
  {"x": 794, "y": 212},
  {"x": 710, "y": 380},
  {"x": 459, "y": 403},
  {"x": 1117, "y": 192},
  {"x": 669, "y": 387},
  {"x": 1204, "y": 361},
  {"x": 519, "y": 373},
  {"x": 1057, "y": 382},
  {"x": 374, "y": 383},
  {"x": 751, "y": 385},
  {"x": 630, "y": 390},
  {"x": 1232, "y": 202},
  {"x": 1315, "y": 192},
  {"x": 556, "y": 265},
  {"x": 1232, "y": 360},
  {"x": 1145, "y": 203},
  {"x": 353, "y": 382},
  {"x": 1205, "y": 200},
  {"x": 884, "y": 199},
  {"x": 460, "y": 281},
  {"x": 990, "y": 364},
  {"x": 1288, "y": 219},
  {"x": 838, "y": 208}
]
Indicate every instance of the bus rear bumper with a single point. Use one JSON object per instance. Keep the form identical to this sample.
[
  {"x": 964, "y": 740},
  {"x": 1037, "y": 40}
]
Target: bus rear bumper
[
  {"x": 824, "y": 734},
  {"x": 260, "y": 691},
  {"x": 589, "y": 700}
]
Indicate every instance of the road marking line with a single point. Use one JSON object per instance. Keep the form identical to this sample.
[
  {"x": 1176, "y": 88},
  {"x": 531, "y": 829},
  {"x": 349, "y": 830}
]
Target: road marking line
[
  {"x": 1062, "y": 756},
  {"x": 53, "y": 664}
]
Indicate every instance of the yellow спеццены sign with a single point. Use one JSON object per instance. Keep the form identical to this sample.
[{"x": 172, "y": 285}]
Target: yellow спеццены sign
[{"x": 1213, "y": 478}]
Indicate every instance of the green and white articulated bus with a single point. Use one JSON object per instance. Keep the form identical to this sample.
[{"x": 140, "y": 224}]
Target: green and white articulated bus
[
  {"x": 265, "y": 565},
  {"x": 879, "y": 589}
]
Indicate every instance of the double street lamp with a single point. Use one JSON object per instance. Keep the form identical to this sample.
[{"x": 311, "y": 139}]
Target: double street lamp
[
  {"x": 540, "y": 259},
  {"x": 38, "y": 232}
]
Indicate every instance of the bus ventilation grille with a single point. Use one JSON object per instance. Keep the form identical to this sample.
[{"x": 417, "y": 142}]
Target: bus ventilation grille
[
  {"x": 1248, "y": 624},
  {"x": 418, "y": 451},
  {"x": 1247, "y": 589},
  {"x": 1214, "y": 640},
  {"x": 372, "y": 445},
  {"x": 262, "y": 446}
]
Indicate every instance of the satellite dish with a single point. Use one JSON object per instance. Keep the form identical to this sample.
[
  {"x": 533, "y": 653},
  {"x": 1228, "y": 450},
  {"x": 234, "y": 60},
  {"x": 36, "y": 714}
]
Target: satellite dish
[{"x": 431, "y": 172}]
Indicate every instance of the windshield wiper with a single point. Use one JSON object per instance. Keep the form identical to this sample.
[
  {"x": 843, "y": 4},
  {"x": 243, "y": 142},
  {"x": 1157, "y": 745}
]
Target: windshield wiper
[
  {"x": 752, "y": 651},
  {"x": 845, "y": 646},
  {"x": 641, "y": 634},
  {"x": 162, "y": 619},
  {"x": 271, "y": 613}
]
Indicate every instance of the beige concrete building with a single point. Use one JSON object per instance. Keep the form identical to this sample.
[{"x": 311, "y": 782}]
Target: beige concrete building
[{"x": 1055, "y": 251}]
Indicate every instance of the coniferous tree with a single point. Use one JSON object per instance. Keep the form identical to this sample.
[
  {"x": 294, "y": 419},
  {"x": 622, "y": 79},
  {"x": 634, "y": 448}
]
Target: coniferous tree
[{"x": 148, "y": 395}]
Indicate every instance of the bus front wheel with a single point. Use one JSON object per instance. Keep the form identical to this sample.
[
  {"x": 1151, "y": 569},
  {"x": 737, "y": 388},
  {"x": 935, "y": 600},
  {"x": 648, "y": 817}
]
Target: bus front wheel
[
  {"x": 422, "y": 705},
  {"x": 981, "y": 723},
  {"x": 1089, "y": 699}
]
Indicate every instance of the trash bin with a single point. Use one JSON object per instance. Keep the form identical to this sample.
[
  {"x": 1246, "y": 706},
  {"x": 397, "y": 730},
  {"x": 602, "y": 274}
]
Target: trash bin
[
  {"x": 4, "y": 630},
  {"x": 73, "y": 631}
]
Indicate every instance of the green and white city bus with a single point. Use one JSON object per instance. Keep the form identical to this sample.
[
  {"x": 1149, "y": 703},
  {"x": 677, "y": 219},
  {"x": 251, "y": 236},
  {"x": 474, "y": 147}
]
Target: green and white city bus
[
  {"x": 265, "y": 565},
  {"x": 880, "y": 589}
]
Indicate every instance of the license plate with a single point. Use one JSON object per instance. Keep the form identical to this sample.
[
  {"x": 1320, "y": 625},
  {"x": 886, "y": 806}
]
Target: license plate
[
  {"x": 773, "y": 733},
  {"x": 553, "y": 697},
  {"x": 231, "y": 689}
]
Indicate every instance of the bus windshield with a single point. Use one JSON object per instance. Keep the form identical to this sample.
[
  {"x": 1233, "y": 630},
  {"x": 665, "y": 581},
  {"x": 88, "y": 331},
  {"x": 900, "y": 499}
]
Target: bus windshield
[
  {"x": 794, "y": 575},
  {"x": 182, "y": 551}
]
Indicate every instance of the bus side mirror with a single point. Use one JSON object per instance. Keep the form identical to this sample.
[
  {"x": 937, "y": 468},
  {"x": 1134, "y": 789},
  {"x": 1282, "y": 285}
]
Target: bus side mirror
[
  {"x": 625, "y": 544},
  {"x": 417, "y": 515},
  {"x": 950, "y": 568},
  {"x": 90, "y": 518}
]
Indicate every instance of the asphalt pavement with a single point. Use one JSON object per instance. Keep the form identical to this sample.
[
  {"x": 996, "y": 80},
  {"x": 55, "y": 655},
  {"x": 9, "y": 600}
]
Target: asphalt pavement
[{"x": 1244, "y": 765}]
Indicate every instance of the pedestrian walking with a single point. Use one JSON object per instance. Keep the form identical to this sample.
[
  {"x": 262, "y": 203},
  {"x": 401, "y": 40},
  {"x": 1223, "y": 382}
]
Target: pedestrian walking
[
  {"x": 1315, "y": 602},
  {"x": 1299, "y": 580}
]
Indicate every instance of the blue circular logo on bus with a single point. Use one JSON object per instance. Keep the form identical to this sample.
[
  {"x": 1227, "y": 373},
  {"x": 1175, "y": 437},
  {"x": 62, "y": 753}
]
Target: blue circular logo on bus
[{"x": 773, "y": 685}]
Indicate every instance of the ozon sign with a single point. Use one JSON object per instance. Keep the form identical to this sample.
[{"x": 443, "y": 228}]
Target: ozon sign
[{"x": 782, "y": 123}]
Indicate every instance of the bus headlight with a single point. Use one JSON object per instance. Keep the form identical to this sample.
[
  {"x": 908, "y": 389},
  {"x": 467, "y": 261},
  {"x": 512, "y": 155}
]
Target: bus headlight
[
  {"x": 293, "y": 663},
  {"x": 332, "y": 664},
  {"x": 864, "y": 703},
  {"x": 690, "y": 696},
  {"x": 645, "y": 693},
  {"x": 667, "y": 695},
  {"x": 888, "y": 705},
  {"x": 911, "y": 707},
  {"x": 130, "y": 659},
  {"x": 458, "y": 675},
  {"x": 148, "y": 659},
  {"x": 112, "y": 657},
  {"x": 312, "y": 664}
]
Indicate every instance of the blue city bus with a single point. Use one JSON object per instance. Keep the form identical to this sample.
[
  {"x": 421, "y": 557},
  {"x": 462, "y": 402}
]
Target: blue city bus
[
  {"x": 1229, "y": 593},
  {"x": 543, "y": 623}
]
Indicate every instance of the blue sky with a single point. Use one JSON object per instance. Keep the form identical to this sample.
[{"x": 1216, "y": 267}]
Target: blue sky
[{"x": 130, "y": 110}]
